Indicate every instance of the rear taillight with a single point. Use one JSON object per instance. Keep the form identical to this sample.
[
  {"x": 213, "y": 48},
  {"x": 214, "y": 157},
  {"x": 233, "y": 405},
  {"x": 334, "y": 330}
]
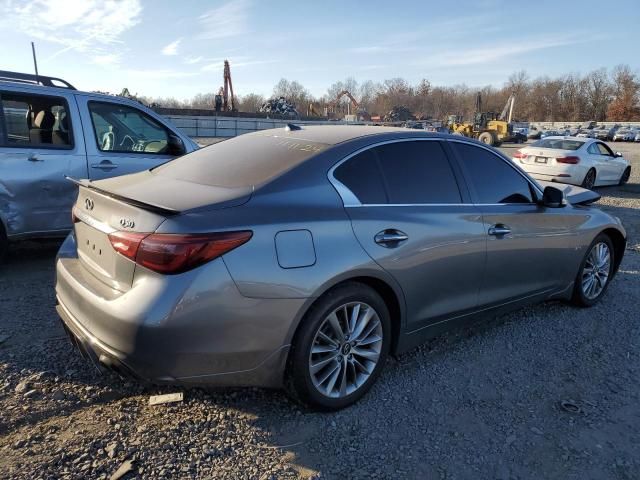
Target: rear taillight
[
  {"x": 175, "y": 253},
  {"x": 519, "y": 154},
  {"x": 569, "y": 160}
]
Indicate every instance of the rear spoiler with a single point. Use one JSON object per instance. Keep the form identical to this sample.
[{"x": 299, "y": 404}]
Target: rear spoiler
[{"x": 145, "y": 206}]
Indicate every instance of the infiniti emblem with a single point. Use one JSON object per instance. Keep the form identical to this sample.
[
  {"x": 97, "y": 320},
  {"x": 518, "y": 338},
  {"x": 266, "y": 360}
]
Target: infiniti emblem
[
  {"x": 88, "y": 203},
  {"x": 127, "y": 223}
]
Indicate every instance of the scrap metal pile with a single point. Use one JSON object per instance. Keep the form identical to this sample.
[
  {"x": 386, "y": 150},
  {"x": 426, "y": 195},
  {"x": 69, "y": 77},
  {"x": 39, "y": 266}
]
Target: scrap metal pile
[
  {"x": 399, "y": 114},
  {"x": 280, "y": 106}
]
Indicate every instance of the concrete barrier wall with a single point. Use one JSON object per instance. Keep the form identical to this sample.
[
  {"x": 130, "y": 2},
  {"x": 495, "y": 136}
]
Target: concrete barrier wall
[
  {"x": 201, "y": 126},
  {"x": 208, "y": 126}
]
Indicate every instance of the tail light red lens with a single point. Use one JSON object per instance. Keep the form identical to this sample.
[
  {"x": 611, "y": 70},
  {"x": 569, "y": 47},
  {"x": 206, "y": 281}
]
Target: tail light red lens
[
  {"x": 519, "y": 154},
  {"x": 173, "y": 253},
  {"x": 127, "y": 243},
  {"x": 569, "y": 160}
]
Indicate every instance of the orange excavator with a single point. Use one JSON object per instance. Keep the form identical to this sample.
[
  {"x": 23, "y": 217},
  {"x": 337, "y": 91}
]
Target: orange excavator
[
  {"x": 222, "y": 98},
  {"x": 330, "y": 109}
]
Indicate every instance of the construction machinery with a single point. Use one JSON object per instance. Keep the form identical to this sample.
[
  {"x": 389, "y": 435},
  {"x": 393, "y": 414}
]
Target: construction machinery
[
  {"x": 488, "y": 127},
  {"x": 225, "y": 100},
  {"x": 330, "y": 109}
]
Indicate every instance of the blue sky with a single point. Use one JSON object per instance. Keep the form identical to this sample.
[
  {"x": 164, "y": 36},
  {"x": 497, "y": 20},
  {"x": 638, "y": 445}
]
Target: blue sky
[{"x": 176, "y": 48}]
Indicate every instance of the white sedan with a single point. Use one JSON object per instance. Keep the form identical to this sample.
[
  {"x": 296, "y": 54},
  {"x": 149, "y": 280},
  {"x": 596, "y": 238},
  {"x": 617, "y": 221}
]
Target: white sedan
[{"x": 579, "y": 161}]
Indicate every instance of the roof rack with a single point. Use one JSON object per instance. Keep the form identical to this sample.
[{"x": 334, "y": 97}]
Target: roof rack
[{"x": 35, "y": 79}]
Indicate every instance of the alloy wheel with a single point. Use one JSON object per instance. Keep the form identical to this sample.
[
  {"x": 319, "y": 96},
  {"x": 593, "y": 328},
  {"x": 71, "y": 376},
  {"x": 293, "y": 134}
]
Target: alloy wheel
[
  {"x": 590, "y": 179},
  {"x": 597, "y": 268},
  {"x": 346, "y": 349}
]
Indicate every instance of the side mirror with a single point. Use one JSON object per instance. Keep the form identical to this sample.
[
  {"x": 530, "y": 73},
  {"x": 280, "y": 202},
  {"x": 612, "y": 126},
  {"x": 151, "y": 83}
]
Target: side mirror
[
  {"x": 176, "y": 145},
  {"x": 617, "y": 154},
  {"x": 553, "y": 197}
]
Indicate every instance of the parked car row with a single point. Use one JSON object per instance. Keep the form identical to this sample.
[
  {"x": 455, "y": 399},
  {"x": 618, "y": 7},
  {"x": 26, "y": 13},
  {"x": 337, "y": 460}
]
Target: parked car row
[{"x": 611, "y": 133}]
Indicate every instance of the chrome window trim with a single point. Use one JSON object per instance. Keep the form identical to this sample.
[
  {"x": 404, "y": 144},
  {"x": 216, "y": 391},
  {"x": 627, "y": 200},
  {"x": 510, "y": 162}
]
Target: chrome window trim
[{"x": 349, "y": 199}]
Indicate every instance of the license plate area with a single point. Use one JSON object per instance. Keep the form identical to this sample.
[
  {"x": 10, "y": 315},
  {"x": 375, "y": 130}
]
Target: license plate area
[
  {"x": 541, "y": 159},
  {"x": 100, "y": 259}
]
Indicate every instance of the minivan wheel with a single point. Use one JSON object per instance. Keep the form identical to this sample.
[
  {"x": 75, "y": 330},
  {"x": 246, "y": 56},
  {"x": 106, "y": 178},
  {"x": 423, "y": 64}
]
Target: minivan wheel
[
  {"x": 340, "y": 348},
  {"x": 595, "y": 272},
  {"x": 589, "y": 179}
]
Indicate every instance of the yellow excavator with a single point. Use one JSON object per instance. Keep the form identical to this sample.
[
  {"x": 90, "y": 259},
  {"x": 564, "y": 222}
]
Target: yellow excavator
[{"x": 488, "y": 127}]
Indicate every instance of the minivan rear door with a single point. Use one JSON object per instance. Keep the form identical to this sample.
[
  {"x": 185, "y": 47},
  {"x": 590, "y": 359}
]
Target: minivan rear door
[
  {"x": 42, "y": 142},
  {"x": 123, "y": 138}
]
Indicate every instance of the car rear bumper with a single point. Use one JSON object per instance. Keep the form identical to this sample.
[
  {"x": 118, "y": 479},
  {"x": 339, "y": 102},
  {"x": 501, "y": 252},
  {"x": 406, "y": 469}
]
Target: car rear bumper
[
  {"x": 574, "y": 174},
  {"x": 196, "y": 329}
]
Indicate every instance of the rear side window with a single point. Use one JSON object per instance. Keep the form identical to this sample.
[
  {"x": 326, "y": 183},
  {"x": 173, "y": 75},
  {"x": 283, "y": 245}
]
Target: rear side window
[
  {"x": 36, "y": 121},
  {"x": 492, "y": 178},
  {"x": 361, "y": 175},
  {"x": 417, "y": 172},
  {"x": 401, "y": 173}
]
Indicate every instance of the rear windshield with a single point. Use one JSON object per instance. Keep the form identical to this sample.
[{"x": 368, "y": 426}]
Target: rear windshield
[
  {"x": 558, "y": 143},
  {"x": 242, "y": 161}
]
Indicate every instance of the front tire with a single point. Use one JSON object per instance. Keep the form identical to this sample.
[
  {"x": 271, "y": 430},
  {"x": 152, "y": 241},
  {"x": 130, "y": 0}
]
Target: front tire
[
  {"x": 339, "y": 349},
  {"x": 487, "y": 138},
  {"x": 595, "y": 272},
  {"x": 589, "y": 179},
  {"x": 625, "y": 176}
]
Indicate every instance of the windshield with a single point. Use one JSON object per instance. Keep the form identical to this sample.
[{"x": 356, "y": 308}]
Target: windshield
[
  {"x": 558, "y": 144},
  {"x": 247, "y": 160}
]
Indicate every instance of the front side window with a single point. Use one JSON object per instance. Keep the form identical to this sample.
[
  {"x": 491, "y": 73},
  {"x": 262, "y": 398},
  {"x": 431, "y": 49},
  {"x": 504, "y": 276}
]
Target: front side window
[
  {"x": 492, "y": 178},
  {"x": 36, "y": 121},
  {"x": 119, "y": 128}
]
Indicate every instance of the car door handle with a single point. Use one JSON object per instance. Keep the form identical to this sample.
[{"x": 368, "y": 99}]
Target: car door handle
[
  {"x": 499, "y": 230},
  {"x": 390, "y": 238},
  {"x": 105, "y": 165},
  {"x": 34, "y": 158}
]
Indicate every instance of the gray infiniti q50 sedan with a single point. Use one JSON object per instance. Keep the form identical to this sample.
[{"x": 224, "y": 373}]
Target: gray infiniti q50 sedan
[{"x": 303, "y": 257}]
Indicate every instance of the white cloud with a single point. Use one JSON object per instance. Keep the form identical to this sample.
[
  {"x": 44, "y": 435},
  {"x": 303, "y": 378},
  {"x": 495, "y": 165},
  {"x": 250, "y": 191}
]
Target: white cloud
[
  {"x": 193, "y": 60},
  {"x": 228, "y": 20},
  {"x": 92, "y": 27},
  {"x": 172, "y": 48},
  {"x": 490, "y": 54}
]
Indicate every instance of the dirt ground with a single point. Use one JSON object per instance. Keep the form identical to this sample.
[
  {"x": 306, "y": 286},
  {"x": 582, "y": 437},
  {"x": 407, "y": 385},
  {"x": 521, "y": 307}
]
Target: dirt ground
[{"x": 551, "y": 391}]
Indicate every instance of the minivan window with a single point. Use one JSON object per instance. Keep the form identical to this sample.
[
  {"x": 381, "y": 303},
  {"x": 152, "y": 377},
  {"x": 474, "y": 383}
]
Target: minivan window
[
  {"x": 36, "y": 121},
  {"x": 417, "y": 173},
  {"x": 119, "y": 128},
  {"x": 494, "y": 181}
]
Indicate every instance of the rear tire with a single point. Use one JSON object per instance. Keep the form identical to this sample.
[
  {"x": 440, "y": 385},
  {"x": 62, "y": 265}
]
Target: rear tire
[
  {"x": 589, "y": 179},
  {"x": 625, "y": 176},
  {"x": 595, "y": 272},
  {"x": 327, "y": 370}
]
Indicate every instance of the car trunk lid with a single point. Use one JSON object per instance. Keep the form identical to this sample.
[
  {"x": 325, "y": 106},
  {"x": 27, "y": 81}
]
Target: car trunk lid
[{"x": 135, "y": 204}]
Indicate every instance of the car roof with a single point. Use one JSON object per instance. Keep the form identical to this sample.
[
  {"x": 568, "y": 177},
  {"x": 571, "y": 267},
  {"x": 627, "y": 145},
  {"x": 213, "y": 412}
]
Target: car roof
[{"x": 334, "y": 134}]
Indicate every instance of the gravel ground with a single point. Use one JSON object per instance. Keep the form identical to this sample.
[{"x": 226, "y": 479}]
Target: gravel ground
[{"x": 482, "y": 402}]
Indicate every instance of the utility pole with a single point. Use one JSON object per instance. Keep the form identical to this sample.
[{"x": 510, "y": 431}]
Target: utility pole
[{"x": 35, "y": 62}]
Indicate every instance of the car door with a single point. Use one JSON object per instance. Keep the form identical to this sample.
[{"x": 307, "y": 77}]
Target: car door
[
  {"x": 612, "y": 166},
  {"x": 411, "y": 216},
  {"x": 528, "y": 245},
  {"x": 39, "y": 146},
  {"x": 123, "y": 139}
]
